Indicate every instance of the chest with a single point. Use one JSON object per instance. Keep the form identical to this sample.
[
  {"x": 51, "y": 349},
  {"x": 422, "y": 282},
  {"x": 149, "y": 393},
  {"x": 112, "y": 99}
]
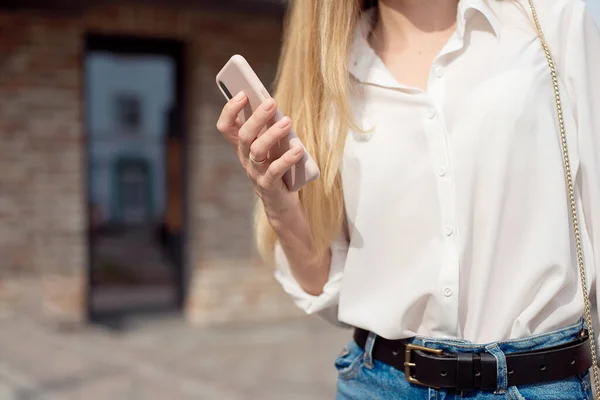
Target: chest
[
  {"x": 410, "y": 63},
  {"x": 489, "y": 119}
]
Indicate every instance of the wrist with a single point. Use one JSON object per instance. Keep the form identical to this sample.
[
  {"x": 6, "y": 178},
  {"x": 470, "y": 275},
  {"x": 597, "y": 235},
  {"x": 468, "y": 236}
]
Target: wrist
[{"x": 283, "y": 219}]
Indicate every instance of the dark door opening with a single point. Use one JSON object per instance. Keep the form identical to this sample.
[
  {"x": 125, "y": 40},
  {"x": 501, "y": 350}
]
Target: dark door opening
[{"x": 136, "y": 174}]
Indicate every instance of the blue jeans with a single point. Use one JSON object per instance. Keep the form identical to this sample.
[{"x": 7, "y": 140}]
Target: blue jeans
[{"x": 363, "y": 378}]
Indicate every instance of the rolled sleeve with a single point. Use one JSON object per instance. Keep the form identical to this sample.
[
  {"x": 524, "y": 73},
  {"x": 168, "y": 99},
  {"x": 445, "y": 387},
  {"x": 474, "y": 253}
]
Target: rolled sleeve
[{"x": 326, "y": 304}]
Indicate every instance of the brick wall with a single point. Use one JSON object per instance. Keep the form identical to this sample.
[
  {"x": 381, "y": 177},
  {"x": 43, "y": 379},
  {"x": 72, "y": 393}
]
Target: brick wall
[{"x": 42, "y": 158}]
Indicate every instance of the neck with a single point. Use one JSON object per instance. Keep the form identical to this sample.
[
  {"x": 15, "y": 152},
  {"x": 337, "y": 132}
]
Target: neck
[{"x": 401, "y": 20}]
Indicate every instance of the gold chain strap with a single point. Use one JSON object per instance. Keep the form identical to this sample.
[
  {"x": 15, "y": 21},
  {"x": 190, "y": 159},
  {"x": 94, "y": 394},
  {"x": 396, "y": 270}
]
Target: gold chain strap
[{"x": 571, "y": 192}]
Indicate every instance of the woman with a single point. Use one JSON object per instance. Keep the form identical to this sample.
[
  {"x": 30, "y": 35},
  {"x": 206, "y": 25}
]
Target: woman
[{"x": 441, "y": 218}]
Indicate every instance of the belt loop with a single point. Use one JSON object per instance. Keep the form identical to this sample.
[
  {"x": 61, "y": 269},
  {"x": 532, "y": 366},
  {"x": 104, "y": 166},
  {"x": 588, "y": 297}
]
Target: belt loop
[
  {"x": 501, "y": 368},
  {"x": 369, "y": 350},
  {"x": 465, "y": 371}
]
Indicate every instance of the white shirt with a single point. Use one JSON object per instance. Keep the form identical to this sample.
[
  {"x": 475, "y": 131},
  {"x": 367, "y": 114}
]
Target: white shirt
[{"x": 456, "y": 202}]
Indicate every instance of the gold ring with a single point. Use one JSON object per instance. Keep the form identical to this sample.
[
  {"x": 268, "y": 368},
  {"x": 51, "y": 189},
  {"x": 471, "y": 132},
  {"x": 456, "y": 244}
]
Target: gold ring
[{"x": 255, "y": 162}]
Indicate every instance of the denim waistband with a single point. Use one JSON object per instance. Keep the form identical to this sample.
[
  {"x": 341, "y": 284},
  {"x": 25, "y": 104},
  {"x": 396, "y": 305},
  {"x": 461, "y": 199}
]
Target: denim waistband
[
  {"x": 539, "y": 341},
  {"x": 497, "y": 349}
]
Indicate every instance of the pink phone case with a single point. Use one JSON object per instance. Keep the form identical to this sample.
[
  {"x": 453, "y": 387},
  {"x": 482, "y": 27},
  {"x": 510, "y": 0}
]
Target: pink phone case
[{"x": 236, "y": 76}]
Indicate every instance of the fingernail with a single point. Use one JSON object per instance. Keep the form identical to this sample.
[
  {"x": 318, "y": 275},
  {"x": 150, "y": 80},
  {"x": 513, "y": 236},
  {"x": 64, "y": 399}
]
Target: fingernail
[
  {"x": 285, "y": 121},
  {"x": 268, "y": 104},
  {"x": 297, "y": 151},
  {"x": 239, "y": 96}
]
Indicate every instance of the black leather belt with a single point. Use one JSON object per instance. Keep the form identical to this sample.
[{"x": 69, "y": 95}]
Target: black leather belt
[{"x": 467, "y": 371}]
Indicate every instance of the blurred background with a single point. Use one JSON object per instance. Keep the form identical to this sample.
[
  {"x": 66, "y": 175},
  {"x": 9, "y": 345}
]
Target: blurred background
[
  {"x": 594, "y": 7},
  {"x": 127, "y": 263}
]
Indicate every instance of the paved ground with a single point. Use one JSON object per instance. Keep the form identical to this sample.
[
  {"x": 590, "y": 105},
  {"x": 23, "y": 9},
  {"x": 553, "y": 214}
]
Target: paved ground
[{"x": 162, "y": 358}]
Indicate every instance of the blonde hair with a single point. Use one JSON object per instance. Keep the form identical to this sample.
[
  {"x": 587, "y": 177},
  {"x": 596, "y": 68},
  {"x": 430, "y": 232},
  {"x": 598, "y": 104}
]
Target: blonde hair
[{"x": 312, "y": 88}]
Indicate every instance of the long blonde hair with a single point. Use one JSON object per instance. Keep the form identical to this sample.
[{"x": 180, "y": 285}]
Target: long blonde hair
[{"x": 312, "y": 88}]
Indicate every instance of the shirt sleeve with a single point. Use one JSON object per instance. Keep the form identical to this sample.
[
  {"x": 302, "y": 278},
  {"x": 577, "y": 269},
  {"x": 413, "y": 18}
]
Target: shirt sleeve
[
  {"x": 326, "y": 304},
  {"x": 580, "y": 62}
]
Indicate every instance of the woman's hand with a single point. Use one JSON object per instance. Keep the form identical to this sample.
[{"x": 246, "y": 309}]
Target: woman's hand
[
  {"x": 283, "y": 208},
  {"x": 252, "y": 149}
]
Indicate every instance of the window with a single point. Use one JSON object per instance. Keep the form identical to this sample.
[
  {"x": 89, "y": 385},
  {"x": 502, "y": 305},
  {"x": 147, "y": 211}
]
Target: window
[{"x": 128, "y": 111}]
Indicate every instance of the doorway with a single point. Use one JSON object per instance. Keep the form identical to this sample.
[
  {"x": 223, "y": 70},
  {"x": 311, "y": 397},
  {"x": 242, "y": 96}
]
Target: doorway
[{"x": 136, "y": 173}]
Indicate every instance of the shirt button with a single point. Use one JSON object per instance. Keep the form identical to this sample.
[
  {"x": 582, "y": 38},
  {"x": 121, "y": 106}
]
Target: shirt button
[
  {"x": 448, "y": 292},
  {"x": 431, "y": 113},
  {"x": 439, "y": 72},
  {"x": 448, "y": 230},
  {"x": 442, "y": 171}
]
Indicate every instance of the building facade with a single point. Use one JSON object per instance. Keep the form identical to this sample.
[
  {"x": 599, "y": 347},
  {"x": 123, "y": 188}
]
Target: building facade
[{"x": 49, "y": 202}]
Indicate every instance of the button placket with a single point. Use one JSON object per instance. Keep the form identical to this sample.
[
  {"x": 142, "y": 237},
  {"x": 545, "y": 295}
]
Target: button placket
[
  {"x": 449, "y": 265},
  {"x": 448, "y": 278},
  {"x": 431, "y": 112}
]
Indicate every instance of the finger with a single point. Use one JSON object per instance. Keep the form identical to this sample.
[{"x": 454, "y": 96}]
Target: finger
[
  {"x": 258, "y": 167},
  {"x": 259, "y": 149},
  {"x": 232, "y": 136},
  {"x": 259, "y": 119},
  {"x": 238, "y": 123},
  {"x": 280, "y": 166},
  {"x": 228, "y": 120}
]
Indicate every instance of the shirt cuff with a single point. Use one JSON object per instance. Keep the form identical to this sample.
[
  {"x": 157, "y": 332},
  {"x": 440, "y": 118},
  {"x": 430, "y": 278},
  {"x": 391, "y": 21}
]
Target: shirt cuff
[{"x": 326, "y": 303}]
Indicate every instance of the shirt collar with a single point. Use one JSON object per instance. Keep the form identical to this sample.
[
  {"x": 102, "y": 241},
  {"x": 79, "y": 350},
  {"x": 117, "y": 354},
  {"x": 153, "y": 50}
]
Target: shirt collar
[
  {"x": 466, "y": 9},
  {"x": 361, "y": 53}
]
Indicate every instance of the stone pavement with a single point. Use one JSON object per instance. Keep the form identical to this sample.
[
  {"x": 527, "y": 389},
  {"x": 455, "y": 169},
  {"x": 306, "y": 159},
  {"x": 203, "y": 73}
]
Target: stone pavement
[{"x": 163, "y": 358}]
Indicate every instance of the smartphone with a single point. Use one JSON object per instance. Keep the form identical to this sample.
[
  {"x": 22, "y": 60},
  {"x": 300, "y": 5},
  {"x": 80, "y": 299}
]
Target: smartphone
[{"x": 236, "y": 76}]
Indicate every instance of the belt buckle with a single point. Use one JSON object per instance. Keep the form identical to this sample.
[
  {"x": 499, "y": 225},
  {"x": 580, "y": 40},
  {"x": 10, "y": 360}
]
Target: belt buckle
[{"x": 408, "y": 364}]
